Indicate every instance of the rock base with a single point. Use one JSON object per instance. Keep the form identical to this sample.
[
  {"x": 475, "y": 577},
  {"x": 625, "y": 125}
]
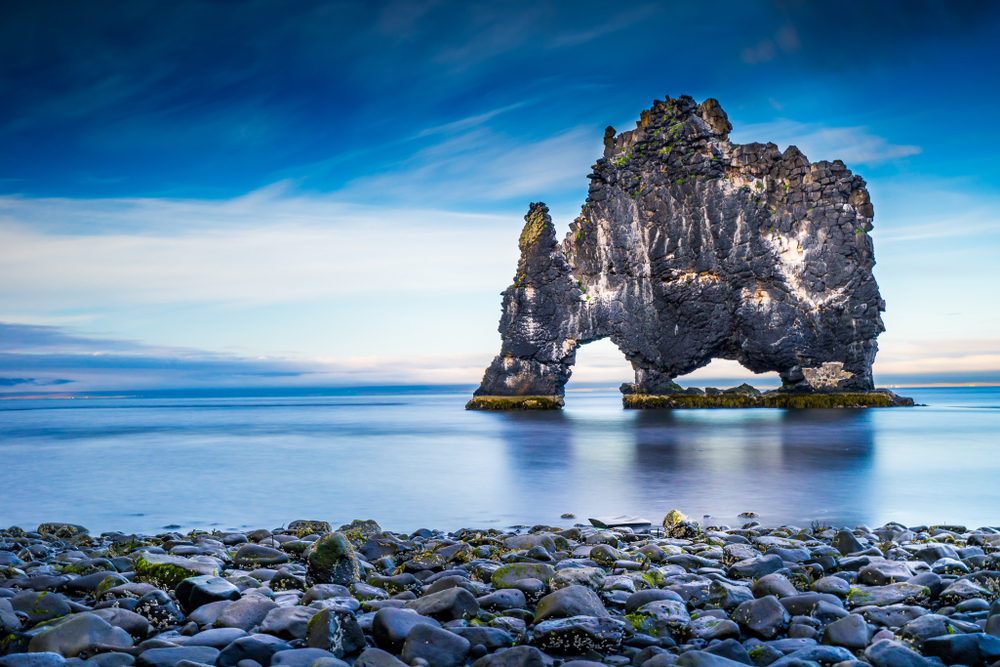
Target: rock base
[
  {"x": 515, "y": 403},
  {"x": 777, "y": 399}
]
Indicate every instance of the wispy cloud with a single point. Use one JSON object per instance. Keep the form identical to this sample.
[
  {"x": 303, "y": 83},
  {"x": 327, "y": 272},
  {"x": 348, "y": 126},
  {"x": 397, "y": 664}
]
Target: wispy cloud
[
  {"x": 483, "y": 165},
  {"x": 946, "y": 355},
  {"x": 46, "y": 356},
  {"x": 853, "y": 145},
  {"x": 266, "y": 247}
]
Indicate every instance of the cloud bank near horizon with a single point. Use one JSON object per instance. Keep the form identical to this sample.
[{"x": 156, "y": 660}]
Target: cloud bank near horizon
[{"x": 35, "y": 358}]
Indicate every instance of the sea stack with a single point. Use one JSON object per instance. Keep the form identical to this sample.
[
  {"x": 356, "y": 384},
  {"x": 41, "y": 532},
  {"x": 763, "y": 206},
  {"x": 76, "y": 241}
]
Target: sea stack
[{"x": 691, "y": 248}]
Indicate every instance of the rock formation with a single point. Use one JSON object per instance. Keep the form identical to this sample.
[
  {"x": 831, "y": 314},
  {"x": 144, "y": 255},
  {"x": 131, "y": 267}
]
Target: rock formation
[{"x": 691, "y": 248}]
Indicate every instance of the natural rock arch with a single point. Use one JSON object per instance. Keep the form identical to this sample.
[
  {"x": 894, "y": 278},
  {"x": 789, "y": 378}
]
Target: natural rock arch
[{"x": 691, "y": 248}]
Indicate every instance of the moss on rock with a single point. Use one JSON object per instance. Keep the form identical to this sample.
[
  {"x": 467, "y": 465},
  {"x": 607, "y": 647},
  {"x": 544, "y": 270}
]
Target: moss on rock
[
  {"x": 776, "y": 399},
  {"x": 515, "y": 403}
]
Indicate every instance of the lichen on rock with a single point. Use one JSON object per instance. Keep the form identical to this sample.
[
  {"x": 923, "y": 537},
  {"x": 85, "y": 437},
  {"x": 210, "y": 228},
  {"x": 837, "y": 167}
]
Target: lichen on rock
[{"x": 691, "y": 248}]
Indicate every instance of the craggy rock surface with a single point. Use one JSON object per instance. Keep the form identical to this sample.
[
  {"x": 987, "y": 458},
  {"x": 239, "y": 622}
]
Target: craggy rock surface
[
  {"x": 686, "y": 595},
  {"x": 691, "y": 248}
]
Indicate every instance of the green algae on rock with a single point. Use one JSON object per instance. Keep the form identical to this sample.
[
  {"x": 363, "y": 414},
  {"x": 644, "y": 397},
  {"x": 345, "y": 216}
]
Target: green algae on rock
[
  {"x": 515, "y": 403},
  {"x": 777, "y": 399},
  {"x": 162, "y": 570},
  {"x": 331, "y": 560}
]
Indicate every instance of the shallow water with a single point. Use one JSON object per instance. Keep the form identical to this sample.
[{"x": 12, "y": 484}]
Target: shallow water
[{"x": 412, "y": 459}]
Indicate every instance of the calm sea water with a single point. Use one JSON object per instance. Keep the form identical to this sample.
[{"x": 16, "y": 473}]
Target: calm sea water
[{"x": 418, "y": 459}]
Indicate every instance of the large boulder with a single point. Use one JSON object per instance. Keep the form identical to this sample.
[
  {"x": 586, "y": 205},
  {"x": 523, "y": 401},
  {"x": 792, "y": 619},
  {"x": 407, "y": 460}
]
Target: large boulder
[{"x": 688, "y": 248}]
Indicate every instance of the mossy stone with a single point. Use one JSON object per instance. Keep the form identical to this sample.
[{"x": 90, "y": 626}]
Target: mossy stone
[
  {"x": 515, "y": 403},
  {"x": 166, "y": 572},
  {"x": 331, "y": 560}
]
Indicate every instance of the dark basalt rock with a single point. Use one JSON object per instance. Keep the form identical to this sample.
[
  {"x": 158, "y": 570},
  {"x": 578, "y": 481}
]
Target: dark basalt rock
[{"x": 691, "y": 248}]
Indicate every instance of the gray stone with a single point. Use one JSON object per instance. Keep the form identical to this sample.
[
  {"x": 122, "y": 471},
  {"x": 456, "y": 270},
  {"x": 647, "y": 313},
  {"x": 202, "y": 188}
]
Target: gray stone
[
  {"x": 168, "y": 657},
  {"x": 259, "y": 648},
  {"x": 579, "y": 634},
  {"x": 571, "y": 601},
  {"x": 299, "y": 657},
  {"x": 661, "y": 618},
  {"x": 973, "y": 650},
  {"x": 519, "y": 656},
  {"x": 41, "y": 607},
  {"x": 437, "y": 646},
  {"x": 641, "y": 598},
  {"x": 249, "y": 556},
  {"x": 331, "y": 560},
  {"x": 491, "y": 638},
  {"x": 891, "y": 616},
  {"x": 805, "y": 604},
  {"x": 508, "y": 598},
  {"x": 46, "y": 659},
  {"x": 846, "y": 543},
  {"x": 764, "y": 617},
  {"x": 755, "y": 568},
  {"x": 826, "y": 655},
  {"x": 774, "y": 584},
  {"x": 9, "y": 622},
  {"x": 79, "y": 634},
  {"x": 375, "y": 657},
  {"x": 706, "y": 659},
  {"x": 732, "y": 649},
  {"x": 727, "y": 596},
  {"x": 850, "y": 632},
  {"x": 218, "y": 638},
  {"x": 963, "y": 589},
  {"x": 287, "y": 622},
  {"x": 832, "y": 586},
  {"x": 591, "y": 577},
  {"x": 447, "y": 605},
  {"x": 336, "y": 632},
  {"x": 927, "y": 626},
  {"x": 881, "y": 573},
  {"x": 507, "y": 575},
  {"x": 136, "y": 625},
  {"x": 391, "y": 626},
  {"x": 934, "y": 552},
  {"x": 208, "y": 614},
  {"x": 195, "y": 592},
  {"x": 709, "y": 628},
  {"x": 879, "y": 596},
  {"x": 246, "y": 613},
  {"x": 889, "y": 653},
  {"x": 111, "y": 660}
]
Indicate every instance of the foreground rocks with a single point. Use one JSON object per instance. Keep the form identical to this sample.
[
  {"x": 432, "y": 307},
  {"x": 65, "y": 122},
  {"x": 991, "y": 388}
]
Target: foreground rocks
[{"x": 684, "y": 595}]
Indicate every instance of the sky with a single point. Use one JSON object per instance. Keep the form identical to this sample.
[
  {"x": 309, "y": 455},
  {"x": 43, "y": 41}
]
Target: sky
[{"x": 287, "y": 193}]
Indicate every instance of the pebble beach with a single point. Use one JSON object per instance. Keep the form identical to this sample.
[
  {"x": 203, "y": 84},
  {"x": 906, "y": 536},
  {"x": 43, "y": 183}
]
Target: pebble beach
[{"x": 674, "y": 593}]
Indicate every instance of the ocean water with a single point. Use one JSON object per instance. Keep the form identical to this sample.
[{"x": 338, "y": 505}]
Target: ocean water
[{"x": 412, "y": 459}]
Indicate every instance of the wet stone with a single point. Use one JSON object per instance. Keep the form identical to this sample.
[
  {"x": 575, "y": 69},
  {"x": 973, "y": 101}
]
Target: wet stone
[
  {"x": 437, "y": 646},
  {"x": 579, "y": 634}
]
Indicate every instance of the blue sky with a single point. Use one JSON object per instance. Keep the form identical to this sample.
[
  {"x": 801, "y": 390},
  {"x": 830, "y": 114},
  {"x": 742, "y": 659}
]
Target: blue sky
[{"x": 300, "y": 193}]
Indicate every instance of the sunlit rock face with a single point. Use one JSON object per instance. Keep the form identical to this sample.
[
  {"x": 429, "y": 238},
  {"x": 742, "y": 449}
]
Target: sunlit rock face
[{"x": 691, "y": 248}]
